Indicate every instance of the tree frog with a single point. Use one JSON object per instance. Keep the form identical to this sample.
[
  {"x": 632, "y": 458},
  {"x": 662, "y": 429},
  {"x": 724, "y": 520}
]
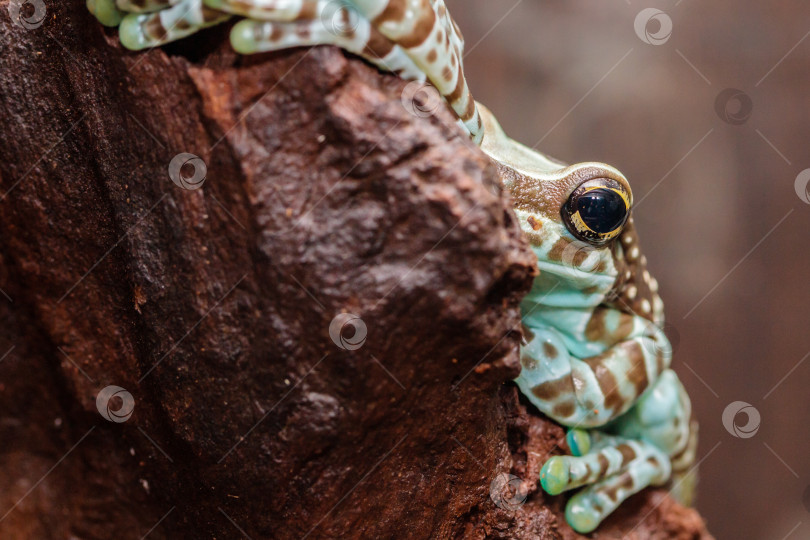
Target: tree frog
[{"x": 594, "y": 357}]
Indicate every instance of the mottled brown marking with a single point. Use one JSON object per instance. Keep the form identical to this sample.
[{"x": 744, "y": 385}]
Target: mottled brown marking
[
  {"x": 556, "y": 251},
  {"x": 624, "y": 482},
  {"x": 528, "y": 362},
  {"x": 536, "y": 225},
  {"x": 607, "y": 383},
  {"x": 422, "y": 28},
  {"x": 627, "y": 452},
  {"x": 528, "y": 335},
  {"x": 653, "y": 461},
  {"x": 604, "y": 465},
  {"x": 394, "y": 11},
  {"x": 432, "y": 56},
  {"x": 550, "y": 350},
  {"x": 154, "y": 28},
  {"x": 550, "y": 390},
  {"x": 596, "y": 329},
  {"x": 470, "y": 109},
  {"x": 564, "y": 409},
  {"x": 378, "y": 45},
  {"x": 457, "y": 92},
  {"x": 638, "y": 370},
  {"x": 308, "y": 11}
]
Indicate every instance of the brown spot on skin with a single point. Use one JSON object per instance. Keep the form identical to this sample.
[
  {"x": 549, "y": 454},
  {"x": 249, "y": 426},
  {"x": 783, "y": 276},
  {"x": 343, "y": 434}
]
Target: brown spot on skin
[
  {"x": 528, "y": 362},
  {"x": 470, "y": 110},
  {"x": 638, "y": 372},
  {"x": 536, "y": 225},
  {"x": 432, "y": 56},
  {"x": 447, "y": 73},
  {"x": 182, "y": 24},
  {"x": 550, "y": 390},
  {"x": 653, "y": 461},
  {"x": 588, "y": 470},
  {"x": 308, "y": 11},
  {"x": 628, "y": 454},
  {"x": 556, "y": 251},
  {"x": 604, "y": 464},
  {"x": 302, "y": 31},
  {"x": 624, "y": 482},
  {"x": 607, "y": 383},
  {"x": 457, "y": 92},
  {"x": 154, "y": 28},
  {"x": 378, "y": 45},
  {"x": 550, "y": 350},
  {"x": 422, "y": 28},
  {"x": 528, "y": 335},
  {"x": 453, "y": 61},
  {"x": 564, "y": 409},
  {"x": 394, "y": 11},
  {"x": 596, "y": 330}
]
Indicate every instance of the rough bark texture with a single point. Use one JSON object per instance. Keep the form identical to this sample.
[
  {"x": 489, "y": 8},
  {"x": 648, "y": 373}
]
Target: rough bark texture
[{"x": 213, "y": 306}]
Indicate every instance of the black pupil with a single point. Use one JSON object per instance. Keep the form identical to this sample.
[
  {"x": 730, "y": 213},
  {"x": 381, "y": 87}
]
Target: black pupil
[{"x": 603, "y": 210}]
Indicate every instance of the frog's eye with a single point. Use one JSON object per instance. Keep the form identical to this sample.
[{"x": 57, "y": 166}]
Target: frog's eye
[{"x": 597, "y": 210}]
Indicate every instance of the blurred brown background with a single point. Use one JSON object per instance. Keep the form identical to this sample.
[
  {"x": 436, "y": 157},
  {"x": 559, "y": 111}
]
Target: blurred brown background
[{"x": 722, "y": 225}]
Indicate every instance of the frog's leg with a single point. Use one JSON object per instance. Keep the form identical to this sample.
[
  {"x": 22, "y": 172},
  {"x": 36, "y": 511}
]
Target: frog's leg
[
  {"x": 644, "y": 447},
  {"x": 143, "y": 30},
  {"x": 593, "y": 390},
  {"x": 252, "y": 36},
  {"x": 430, "y": 37}
]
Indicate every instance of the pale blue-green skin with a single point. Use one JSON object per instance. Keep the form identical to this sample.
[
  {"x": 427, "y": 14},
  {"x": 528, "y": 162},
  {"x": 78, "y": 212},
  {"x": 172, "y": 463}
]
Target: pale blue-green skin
[{"x": 562, "y": 299}]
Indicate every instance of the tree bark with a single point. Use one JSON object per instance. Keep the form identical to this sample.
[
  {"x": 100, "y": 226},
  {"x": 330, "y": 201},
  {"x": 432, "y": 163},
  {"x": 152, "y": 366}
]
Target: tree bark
[{"x": 212, "y": 306}]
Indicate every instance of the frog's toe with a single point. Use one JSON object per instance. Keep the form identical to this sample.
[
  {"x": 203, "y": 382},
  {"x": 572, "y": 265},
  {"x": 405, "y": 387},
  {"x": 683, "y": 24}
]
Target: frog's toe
[
  {"x": 555, "y": 476},
  {"x": 583, "y": 518},
  {"x": 586, "y": 510},
  {"x": 579, "y": 441}
]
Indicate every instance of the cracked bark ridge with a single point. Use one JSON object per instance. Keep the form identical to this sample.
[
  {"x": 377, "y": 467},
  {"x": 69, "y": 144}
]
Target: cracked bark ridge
[{"x": 212, "y": 307}]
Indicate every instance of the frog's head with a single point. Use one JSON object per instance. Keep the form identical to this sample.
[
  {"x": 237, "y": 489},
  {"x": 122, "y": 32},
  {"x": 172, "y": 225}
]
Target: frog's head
[{"x": 577, "y": 220}]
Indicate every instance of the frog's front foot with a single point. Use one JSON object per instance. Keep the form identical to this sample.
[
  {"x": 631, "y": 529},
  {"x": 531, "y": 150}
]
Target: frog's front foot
[{"x": 612, "y": 468}]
